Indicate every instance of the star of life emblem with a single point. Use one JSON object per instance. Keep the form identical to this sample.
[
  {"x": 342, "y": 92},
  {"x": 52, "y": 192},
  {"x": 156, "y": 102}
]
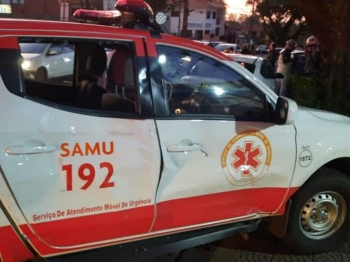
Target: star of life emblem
[{"x": 246, "y": 158}]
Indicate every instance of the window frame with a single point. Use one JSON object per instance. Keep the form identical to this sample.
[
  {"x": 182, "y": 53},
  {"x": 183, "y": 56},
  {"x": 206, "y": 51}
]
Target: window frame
[
  {"x": 140, "y": 64},
  {"x": 165, "y": 114}
]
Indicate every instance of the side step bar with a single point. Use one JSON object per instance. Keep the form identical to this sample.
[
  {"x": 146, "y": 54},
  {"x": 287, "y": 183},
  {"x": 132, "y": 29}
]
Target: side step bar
[{"x": 145, "y": 249}]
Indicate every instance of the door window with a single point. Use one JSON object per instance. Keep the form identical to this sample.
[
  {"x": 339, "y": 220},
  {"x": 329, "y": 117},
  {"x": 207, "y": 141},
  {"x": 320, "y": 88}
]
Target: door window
[
  {"x": 89, "y": 75},
  {"x": 199, "y": 85}
]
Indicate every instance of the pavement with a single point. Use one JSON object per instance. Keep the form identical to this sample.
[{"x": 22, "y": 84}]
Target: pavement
[{"x": 255, "y": 249}]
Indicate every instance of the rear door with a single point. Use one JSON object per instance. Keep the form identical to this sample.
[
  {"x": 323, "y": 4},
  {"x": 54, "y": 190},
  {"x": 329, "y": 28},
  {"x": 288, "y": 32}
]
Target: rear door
[{"x": 78, "y": 175}]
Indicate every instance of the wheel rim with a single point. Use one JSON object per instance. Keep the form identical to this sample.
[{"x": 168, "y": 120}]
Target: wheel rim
[{"x": 322, "y": 215}]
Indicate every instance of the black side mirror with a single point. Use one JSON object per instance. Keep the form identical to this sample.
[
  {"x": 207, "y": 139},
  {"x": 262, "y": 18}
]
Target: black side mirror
[{"x": 286, "y": 111}]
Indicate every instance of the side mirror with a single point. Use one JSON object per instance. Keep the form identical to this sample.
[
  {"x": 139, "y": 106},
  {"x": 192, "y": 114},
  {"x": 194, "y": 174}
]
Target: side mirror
[
  {"x": 52, "y": 53},
  {"x": 279, "y": 76},
  {"x": 286, "y": 111}
]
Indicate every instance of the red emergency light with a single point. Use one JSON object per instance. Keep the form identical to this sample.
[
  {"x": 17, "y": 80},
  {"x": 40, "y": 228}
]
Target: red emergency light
[
  {"x": 98, "y": 15},
  {"x": 134, "y": 13}
]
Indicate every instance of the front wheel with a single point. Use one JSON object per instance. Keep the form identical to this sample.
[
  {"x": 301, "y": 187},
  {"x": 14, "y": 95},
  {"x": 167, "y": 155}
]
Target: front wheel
[
  {"x": 320, "y": 213},
  {"x": 42, "y": 74}
]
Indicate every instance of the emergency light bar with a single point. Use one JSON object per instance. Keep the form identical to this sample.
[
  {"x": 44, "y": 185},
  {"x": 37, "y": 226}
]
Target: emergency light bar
[
  {"x": 98, "y": 15},
  {"x": 134, "y": 13}
]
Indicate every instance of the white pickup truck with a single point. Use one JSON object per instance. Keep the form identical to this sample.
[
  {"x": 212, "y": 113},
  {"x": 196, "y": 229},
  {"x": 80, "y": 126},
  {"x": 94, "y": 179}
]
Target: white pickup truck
[
  {"x": 170, "y": 145},
  {"x": 261, "y": 68}
]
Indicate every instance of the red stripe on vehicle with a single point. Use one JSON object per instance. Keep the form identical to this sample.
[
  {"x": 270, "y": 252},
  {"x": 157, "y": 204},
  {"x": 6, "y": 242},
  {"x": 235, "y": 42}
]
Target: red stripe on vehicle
[
  {"x": 220, "y": 206},
  {"x": 9, "y": 42},
  {"x": 21, "y": 26},
  {"x": 12, "y": 249},
  {"x": 184, "y": 42},
  {"x": 171, "y": 214},
  {"x": 94, "y": 228}
]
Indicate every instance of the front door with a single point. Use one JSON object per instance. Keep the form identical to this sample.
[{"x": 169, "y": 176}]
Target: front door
[
  {"x": 79, "y": 175},
  {"x": 224, "y": 158}
]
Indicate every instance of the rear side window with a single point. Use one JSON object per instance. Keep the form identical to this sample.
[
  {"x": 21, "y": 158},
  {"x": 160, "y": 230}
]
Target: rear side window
[{"x": 79, "y": 75}]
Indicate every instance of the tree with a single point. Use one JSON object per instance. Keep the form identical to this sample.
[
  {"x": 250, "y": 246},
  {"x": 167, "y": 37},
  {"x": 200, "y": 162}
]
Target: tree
[
  {"x": 232, "y": 17},
  {"x": 85, "y": 4},
  {"x": 330, "y": 23},
  {"x": 238, "y": 18},
  {"x": 158, "y": 5},
  {"x": 280, "y": 19}
]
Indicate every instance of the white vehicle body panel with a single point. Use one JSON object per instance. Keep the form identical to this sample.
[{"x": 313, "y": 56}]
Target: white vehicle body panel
[{"x": 41, "y": 190}]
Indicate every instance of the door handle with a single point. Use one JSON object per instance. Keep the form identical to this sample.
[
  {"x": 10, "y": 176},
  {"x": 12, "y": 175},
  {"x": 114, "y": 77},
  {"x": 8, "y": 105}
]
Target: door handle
[
  {"x": 30, "y": 147},
  {"x": 184, "y": 148}
]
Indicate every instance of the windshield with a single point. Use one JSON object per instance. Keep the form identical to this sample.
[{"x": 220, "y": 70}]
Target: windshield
[{"x": 32, "y": 48}]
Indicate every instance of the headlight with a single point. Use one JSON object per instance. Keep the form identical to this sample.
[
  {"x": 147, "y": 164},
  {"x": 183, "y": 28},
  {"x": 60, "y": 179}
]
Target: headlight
[{"x": 25, "y": 64}]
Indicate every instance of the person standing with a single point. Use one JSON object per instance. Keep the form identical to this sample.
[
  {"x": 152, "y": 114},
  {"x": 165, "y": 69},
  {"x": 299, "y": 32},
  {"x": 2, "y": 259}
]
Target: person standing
[
  {"x": 284, "y": 65},
  {"x": 245, "y": 50},
  {"x": 312, "y": 57},
  {"x": 271, "y": 55}
]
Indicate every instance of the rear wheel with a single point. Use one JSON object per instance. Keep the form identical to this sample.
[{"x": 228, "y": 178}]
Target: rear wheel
[{"x": 320, "y": 214}]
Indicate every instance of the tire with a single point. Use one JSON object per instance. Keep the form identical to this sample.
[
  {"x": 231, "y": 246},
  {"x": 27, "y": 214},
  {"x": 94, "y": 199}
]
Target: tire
[
  {"x": 322, "y": 203},
  {"x": 41, "y": 74}
]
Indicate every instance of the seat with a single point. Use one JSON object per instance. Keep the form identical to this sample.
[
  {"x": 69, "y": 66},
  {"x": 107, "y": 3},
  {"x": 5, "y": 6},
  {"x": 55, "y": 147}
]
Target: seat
[
  {"x": 91, "y": 90},
  {"x": 120, "y": 73},
  {"x": 121, "y": 82}
]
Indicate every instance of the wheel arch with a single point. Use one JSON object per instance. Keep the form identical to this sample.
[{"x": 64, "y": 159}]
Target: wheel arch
[
  {"x": 340, "y": 164},
  {"x": 278, "y": 224},
  {"x": 43, "y": 68}
]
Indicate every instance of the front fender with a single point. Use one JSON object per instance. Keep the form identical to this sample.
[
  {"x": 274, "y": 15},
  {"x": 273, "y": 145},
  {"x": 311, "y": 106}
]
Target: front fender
[{"x": 320, "y": 158}]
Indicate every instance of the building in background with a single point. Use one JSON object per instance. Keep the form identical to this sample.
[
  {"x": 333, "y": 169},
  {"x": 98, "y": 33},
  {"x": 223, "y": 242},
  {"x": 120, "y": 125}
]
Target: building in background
[
  {"x": 239, "y": 33},
  {"x": 49, "y": 9},
  {"x": 205, "y": 18},
  {"x": 30, "y": 9}
]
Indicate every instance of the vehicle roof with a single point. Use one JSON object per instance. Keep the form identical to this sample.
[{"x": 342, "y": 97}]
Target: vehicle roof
[
  {"x": 227, "y": 44},
  {"x": 28, "y": 24},
  {"x": 7, "y": 24},
  {"x": 244, "y": 58}
]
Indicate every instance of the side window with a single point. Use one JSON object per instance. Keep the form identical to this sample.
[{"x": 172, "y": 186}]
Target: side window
[
  {"x": 266, "y": 69},
  {"x": 90, "y": 75},
  {"x": 197, "y": 84}
]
